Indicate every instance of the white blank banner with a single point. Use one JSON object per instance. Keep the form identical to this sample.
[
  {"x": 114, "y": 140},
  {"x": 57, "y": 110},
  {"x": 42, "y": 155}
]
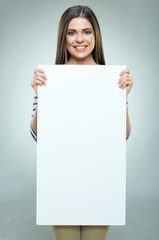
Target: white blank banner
[{"x": 81, "y": 146}]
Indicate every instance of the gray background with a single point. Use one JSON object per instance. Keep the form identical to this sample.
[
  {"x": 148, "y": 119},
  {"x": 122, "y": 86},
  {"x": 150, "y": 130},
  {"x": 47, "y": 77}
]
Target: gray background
[{"x": 28, "y": 38}]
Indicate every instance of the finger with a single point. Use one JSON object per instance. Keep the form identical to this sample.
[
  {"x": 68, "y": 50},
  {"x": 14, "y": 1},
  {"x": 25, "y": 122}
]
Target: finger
[
  {"x": 38, "y": 70},
  {"x": 40, "y": 78},
  {"x": 124, "y": 84},
  {"x": 41, "y": 74},
  {"x": 127, "y": 83},
  {"x": 125, "y": 76},
  {"x": 127, "y": 70},
  {"x": 38, "y": 82},
  {"x": 124, "y": 80},
  {"x": 35, "y": 83},
  {"x": 121, "y": 84}
]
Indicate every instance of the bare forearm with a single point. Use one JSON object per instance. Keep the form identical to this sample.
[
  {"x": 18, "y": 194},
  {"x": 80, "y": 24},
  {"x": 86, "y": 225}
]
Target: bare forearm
[
  {"x": 128, "y": 126},
  {"x": 34, "y": 122}
]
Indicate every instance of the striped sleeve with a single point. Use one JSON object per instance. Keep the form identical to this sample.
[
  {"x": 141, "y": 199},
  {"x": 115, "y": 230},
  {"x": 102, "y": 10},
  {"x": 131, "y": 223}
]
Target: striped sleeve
[
  {"x": 33, "y": 134},
  {"x": 130, "y": 130},
  {"x": 128, "y": 135}
]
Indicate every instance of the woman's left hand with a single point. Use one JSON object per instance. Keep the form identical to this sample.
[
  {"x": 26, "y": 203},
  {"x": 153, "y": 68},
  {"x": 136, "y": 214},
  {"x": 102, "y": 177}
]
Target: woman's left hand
[{"x": 126, "y": 81}]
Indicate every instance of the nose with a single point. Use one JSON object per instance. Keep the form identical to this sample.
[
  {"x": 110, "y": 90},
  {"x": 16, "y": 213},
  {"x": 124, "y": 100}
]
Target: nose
[{"x": 79, "y": 38}]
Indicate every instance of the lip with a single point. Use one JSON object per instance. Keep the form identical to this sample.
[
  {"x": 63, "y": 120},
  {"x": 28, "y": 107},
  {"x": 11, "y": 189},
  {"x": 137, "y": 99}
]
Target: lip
[
  {"x": 81, "y": 46},
  {"x": 82, "y": 49}
]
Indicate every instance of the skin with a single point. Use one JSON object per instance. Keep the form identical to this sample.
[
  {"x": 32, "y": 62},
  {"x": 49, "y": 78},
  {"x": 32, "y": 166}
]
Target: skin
[
  {"x": 83, "y": 34},
  {"x": 82, "y": 37}
]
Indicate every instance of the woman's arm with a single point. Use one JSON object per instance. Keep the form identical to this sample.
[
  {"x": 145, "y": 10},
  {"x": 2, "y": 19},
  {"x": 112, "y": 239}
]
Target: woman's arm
[
  {"x": 39, "y": 79},
  {"x": 33, "y": 123},
  {"x": 126, "y": 81},
  {"x": 128, "y": 126}
]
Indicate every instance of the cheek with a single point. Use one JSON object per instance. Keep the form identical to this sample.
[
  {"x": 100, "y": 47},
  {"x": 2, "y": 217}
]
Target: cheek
[
  {"x": 68, "y": 41},
  {"x": 92, "y": 40}
]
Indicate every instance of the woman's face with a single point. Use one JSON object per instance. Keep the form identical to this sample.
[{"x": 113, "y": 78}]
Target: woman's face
[{"x": 80, "y": 34}]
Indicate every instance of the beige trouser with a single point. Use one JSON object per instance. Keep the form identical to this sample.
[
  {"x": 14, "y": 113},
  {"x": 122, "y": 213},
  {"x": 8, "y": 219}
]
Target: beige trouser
[{"x": 63, "y": 232}]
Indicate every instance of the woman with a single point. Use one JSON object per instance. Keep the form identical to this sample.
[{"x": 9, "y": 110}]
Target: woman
[{"x": 79, "y": 42}]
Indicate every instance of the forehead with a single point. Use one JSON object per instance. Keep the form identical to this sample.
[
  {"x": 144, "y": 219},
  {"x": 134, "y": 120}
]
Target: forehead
[{"x": 79, "y": 23}]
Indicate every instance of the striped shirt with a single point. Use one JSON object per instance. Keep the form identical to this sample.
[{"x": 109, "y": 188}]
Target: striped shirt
[{"x": 33, "y": 134}]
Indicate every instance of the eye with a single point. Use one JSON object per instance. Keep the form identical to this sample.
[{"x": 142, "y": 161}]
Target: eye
[
  {"x": 70, "y": 33},
  {"x": 87, "y": 32}
]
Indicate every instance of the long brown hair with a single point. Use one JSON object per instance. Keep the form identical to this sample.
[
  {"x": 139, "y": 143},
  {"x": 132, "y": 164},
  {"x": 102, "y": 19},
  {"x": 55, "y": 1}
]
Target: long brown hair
[{"x": 62, "y": 54}]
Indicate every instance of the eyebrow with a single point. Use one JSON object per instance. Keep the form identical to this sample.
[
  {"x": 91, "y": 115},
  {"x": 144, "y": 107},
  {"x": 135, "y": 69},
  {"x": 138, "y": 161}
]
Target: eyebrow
[{"x": 82, "y": 29}]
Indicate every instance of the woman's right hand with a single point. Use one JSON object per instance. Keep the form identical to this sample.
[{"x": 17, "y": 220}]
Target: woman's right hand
[{"x": 39, "y": 78}]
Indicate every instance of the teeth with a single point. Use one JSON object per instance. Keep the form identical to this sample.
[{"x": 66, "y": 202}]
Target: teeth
[{"x": 80, "y": 47}]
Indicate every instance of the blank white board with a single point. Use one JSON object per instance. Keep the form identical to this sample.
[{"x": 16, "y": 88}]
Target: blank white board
[{"x": 81, "y": 146}]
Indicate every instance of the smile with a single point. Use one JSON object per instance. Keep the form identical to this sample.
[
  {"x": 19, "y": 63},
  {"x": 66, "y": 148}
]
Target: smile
[{"x": 80, "y": 48}]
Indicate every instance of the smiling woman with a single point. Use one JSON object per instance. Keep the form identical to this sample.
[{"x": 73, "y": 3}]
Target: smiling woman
[
  {"x": 79, "y": 42},
  {"x": 79, "y": 38}
]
